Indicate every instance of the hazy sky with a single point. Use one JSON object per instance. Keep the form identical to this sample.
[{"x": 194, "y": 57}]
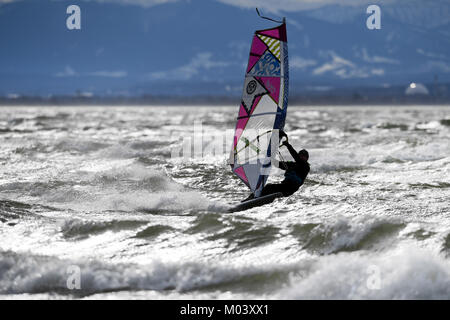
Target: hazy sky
[
  {"x": 285, "y": 5},
  {"x": 130, "y": 47}
]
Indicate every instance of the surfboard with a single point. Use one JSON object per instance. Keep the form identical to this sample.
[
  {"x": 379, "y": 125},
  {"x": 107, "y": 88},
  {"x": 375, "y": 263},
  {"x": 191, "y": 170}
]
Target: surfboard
[
  {"x": 260, "y": 201},
  {"x": 262, "y": 111}
]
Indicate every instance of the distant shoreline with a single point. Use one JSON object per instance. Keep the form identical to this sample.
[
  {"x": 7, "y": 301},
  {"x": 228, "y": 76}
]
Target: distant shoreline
[{"x": 218, "y": 101}]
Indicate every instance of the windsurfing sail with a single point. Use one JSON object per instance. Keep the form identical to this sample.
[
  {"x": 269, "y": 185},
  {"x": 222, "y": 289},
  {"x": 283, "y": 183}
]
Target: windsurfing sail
[{"x": 263, "y": 107}]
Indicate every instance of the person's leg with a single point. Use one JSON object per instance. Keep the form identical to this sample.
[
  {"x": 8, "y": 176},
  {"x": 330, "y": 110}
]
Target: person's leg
[
  {"x": 271, "y": 188},
  {"x": 287, "y": 189}
]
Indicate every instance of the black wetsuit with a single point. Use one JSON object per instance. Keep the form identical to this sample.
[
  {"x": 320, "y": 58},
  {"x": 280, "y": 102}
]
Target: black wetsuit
[{"x": 295, "y": 175}]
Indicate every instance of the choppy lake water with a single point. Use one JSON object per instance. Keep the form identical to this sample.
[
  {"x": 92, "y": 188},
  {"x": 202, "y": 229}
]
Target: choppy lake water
[{"x": 104, "y": 189}]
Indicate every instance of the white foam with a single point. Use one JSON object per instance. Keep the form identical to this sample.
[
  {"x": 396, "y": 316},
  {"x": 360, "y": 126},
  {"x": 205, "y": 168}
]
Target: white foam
[
  {"x": 404, "y": 273},
  {"x": 35, "y": 274}
]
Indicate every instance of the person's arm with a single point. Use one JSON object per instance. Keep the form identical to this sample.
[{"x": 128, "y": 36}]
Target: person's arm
[
  {"x": 292, "y": 151},
  {"x": 287, "y": 165},
  {"x": 283, "y": 165}
]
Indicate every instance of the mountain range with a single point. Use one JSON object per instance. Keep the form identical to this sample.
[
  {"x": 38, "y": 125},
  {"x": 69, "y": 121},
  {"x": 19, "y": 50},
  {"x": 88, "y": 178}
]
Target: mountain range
[{"x": 179, "y": 48}]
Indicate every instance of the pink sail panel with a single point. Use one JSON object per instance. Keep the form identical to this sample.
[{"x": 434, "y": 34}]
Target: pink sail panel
[
  {"x": 272, "y": 84},
  {"x": 242, "y": 111},
  {"x": 241, "y": 173},
  {"x": 274, "y": 33},
  {"x": 277, "y": 33},
  {"x": 257, "y": 49},
  {"x": 252, "y": 60}
]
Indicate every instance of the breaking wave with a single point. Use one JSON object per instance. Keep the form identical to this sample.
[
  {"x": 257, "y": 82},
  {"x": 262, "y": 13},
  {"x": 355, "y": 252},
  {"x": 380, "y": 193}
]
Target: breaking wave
[
  {"x": 404, "y": 273},
  {"x": 24, "y": 273}
]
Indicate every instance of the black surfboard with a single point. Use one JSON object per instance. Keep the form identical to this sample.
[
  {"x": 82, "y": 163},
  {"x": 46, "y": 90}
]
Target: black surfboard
[{"x": 260, "y": 201}]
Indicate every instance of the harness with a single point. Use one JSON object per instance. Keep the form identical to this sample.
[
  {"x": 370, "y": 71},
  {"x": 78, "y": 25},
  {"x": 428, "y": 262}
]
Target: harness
[{"x": 292, "y": 177}]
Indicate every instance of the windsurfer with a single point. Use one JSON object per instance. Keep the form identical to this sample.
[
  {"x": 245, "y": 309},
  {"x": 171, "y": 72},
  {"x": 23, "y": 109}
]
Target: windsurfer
[{"x": 295, "y": 175}]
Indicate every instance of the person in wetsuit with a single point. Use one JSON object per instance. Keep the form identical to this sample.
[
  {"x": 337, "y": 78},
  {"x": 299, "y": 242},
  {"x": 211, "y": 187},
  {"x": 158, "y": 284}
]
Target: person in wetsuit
[{"x": 295, "y": 175}]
